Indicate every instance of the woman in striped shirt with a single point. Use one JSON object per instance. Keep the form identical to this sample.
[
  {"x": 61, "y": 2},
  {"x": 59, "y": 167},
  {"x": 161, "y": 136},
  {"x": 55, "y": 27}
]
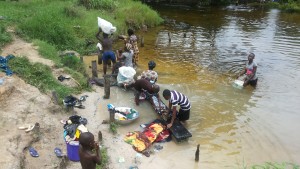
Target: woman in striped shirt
[{"x": 175, "y": 98}]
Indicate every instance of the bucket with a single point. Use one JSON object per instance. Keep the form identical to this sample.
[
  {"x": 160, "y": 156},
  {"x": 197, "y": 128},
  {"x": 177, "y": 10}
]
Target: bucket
[
  {"x": 73, "y": 150},
  {"x": 238, "y": 84}
]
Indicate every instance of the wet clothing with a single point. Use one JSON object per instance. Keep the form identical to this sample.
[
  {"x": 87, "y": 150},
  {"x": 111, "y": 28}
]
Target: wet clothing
[
  {"x": 108, "y": 55},
  {"x": 181, "y": 100},
  {"x": 183, "y": 115},
  {"x": 253, "y": 82},
  {"x": 150, "y": 75},
  {"x": 249, "y": 69},
  {"x": 127, "y": 57},
  {"x": 143, "y": 85},
  {"x": 133, "y": 41}
]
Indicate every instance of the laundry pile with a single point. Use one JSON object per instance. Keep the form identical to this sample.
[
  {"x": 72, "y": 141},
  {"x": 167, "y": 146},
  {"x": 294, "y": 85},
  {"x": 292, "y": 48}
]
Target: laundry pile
[
  {"x": 73, "y": 127},
  {"x": 154, "y": 132},
  {"x": 4, "y": 64},
  {"x": 71, "y": 101}
]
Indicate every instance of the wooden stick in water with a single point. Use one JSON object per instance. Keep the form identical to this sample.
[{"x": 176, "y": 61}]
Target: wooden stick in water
[{"x": 197, "y": 154}]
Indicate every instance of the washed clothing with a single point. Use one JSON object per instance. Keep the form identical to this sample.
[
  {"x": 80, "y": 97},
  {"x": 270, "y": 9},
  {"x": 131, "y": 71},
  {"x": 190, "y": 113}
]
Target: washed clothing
[
  {"x": 127, "y": 58},
  {"x": 150, "y": 75},
  {"x": 180, "y": 99},
  {"x": 108, "y": 55},
  {"x": 249, "y": 69}
]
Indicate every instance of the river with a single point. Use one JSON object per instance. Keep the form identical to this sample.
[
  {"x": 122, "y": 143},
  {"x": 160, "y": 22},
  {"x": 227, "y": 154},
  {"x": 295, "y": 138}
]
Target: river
[{"x": 208, "y": 47}]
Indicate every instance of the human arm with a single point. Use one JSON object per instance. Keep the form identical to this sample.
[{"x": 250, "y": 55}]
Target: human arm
[
  {"x": 97, "y": 158},
  {"x": 173, "y": 117},
  {"x": 243, "y": 72},
  {"x": 119, "y": 55}
]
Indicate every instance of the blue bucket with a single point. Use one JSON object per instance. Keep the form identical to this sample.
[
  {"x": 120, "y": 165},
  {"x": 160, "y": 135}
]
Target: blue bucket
[{"x": 73, "y": 150}]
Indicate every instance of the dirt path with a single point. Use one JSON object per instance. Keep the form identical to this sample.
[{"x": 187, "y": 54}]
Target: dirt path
[{"x": 21, "y": 48}]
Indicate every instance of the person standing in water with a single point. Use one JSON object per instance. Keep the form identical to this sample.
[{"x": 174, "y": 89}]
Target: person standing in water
[
  {"x": 175, "y": 98},
  {"x": 250, "y": 72}
]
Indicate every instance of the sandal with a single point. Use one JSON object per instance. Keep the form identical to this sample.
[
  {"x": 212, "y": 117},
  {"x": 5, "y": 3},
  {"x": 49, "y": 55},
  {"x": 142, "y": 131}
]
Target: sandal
[
  {"x": 30, "y": 127},
  {"x": 33, "y": 152},
  {"x": 58, "y": 152}
]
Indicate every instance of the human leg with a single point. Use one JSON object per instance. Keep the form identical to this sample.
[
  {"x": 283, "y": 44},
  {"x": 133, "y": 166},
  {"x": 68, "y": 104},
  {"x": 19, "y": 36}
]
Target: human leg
[{"x": 105, "y": 58}]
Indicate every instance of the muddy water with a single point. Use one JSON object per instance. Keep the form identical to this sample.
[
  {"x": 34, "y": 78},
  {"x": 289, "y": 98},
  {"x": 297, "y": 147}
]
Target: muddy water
[{"x": 208, "y": 47}]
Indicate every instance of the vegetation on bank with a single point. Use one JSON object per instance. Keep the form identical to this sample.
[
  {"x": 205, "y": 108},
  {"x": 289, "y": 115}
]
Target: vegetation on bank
[
  {"x": 272, "y": 165},
  {"x": 59, "y": 25}
]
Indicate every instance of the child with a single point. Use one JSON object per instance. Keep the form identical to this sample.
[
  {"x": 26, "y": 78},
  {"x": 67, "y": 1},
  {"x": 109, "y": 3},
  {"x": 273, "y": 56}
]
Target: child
[{"x": 88, "y": 159}]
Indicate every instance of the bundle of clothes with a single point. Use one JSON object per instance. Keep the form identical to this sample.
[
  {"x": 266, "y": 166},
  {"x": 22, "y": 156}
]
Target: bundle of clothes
[
  {"x": 142, "y": 140},
  {"x": 4, "y": 64},
  {"x": 73, "y": 127}
]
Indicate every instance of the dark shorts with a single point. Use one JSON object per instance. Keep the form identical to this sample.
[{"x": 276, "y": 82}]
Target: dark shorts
[
  {"x": 183, "y": 115},
  {"x": 108, "y": 55},
  {"x": 253, "y": 82}
]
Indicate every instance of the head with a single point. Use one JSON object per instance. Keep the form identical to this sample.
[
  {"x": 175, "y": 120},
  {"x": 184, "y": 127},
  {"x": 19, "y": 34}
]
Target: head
[
  {"x": 167, "y": 94},
  {"x": 155, "y": 88},
  {"x": 86, "y": 139},
  {"x": 251, "y": 56},
  {"x": 128, "y": 47},
  {"x": 130, "y": 32},
  {"x": 151, "y": 65}
]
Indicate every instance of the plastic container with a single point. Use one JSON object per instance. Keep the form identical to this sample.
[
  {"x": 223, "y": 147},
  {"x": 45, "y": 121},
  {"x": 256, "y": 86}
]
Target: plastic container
[
  {"x": 73, "y": 150},
  {"x": 238, "y": 84}
]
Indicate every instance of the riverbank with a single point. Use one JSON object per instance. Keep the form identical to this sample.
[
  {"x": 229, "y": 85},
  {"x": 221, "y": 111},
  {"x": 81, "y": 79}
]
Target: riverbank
[{"x": 23, "y": 104}]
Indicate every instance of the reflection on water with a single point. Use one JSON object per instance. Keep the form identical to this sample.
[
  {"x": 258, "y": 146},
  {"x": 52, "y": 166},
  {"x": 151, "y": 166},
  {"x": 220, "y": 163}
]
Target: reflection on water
[{"x": 233, "y": 126}]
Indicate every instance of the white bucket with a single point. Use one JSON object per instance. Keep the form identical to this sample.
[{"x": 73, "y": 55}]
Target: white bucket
[{"x": 238, "y": 84}]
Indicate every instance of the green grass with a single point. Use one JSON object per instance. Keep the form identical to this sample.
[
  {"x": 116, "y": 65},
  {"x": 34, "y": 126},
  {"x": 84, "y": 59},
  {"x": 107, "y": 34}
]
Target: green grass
[
  {"x": 105, "y": 158},
  {"x": 40, "y": 76},
  {"x": 67, "y": 25},
  {"x": 113, "y": 127},
  {"x": 4, "y": 36},
  {"x": 48, "y": 51}
]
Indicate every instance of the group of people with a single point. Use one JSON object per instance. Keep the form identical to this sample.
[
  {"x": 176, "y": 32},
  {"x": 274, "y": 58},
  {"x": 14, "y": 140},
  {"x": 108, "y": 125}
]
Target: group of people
[
  {"x": 145, "y": 83},
  {"x": 128, "y": 56}
]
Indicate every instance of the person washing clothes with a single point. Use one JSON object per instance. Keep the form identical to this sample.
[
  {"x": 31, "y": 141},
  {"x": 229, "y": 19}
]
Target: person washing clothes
[
  {"x": 126, "y": 56},
  {"x": 149, "y": 74},
  {"x": 250, "y": 72},
  {"x": 175, "y": 98}
]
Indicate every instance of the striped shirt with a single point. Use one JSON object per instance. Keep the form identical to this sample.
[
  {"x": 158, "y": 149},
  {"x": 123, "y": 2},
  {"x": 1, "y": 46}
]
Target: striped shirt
[{"x": 180, "y": 99}]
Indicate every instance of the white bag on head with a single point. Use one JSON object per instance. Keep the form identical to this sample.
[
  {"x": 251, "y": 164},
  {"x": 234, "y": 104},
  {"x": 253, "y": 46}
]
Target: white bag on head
[{"x": 106, "y": 26}]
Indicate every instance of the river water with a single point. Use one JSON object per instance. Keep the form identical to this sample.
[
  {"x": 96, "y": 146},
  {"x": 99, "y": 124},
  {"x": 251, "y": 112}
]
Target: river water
[{"x": 208, "y": 47}]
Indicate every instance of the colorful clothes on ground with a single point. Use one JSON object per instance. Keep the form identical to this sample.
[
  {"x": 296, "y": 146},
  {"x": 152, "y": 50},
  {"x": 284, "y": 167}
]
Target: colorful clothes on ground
[{"x": 142, "y": 140}]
